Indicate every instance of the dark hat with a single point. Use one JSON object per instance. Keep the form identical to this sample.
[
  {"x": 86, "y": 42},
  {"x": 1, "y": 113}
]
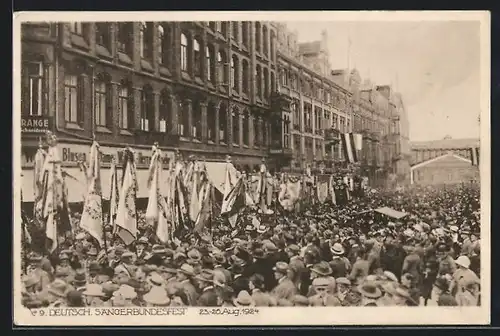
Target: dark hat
[
  {"x": 206, "y": 275},
  {"x": 33, "y": 257},
  {"x": 370, "y": 290},
  {"x": 442, "y": 247},
  {"x": 143, "y": 241},
  {"x": 79, "y": 278},
  {"x": 94, "y": 267},
  {"x": 158, "y": 249},
  {"x": 293, "y": 248},
  {"x": 259, "y": 253},
  {"x": 167, "y": 268},
  {"x": 442, "y": 283},
  {"x": 322, "y": 268}
]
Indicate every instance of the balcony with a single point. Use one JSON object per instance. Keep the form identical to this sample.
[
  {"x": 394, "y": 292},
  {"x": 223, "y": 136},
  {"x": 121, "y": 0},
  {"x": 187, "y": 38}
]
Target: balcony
[
  {"x": 280, "y": 102},
  {"x": 332, "y": 135},
  {"x": 150, "y": 137}
]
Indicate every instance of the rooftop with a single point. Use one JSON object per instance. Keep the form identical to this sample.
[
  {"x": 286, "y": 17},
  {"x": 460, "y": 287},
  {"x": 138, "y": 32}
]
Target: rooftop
[
  {"x": 445, "y": 144},
  {"x": 307, "y": 48}
]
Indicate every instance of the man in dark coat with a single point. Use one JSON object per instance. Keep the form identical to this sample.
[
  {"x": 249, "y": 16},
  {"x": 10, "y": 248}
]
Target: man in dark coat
[
  {"x": 208, "y": 297},
  {"x": 392, "y": 257},
  {"x": 262, "y": 265}
]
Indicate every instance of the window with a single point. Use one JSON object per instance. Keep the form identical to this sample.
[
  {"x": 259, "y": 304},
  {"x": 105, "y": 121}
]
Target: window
[
  {"x": 147, "y": 109},
  {"x": 221, "y": 64},
  {"x": 163, "y": 44},
  {"x": 258, "y": 40},
  {"x": 296, "y": 114},
  {"x": 146, "y": 40},
  {"x": 164, "y": 112},
  {"x": 102, "y": 34},
  {"x": 342, "y": 124},
  {"x": 197, "y": 58},
  {"x": 307, "y": 117},
  {"x": 236, "y": 126},
  {"x": 211, "y": 122},
  {"x": 335, "y": 121},
  {"x": 258, "y": 80},
  {"x": 246, "y": 77},
  {"x": 71, "y": 91},
  {"x": 218, "y": 26},
  {"x": 33, "y": 88},
  {"x": 184, "y": 118},
  {"x": 245, "y": 33},
  {"x": 234, "y": 73},
  {"x": 223, "y": 123},
  {"x": 284, "y": 77},
  {"x": 273, "y": 45},
  {"x": 101, "y": 102},
  {"x": 236, "y": 31},
  {"x": 246, "y": 129},
  {"x": 125, "y": 34},
  {"x": 209, "y": 54},
  {"x": 264, "y": 133},
  {"x": 224, "y": 28},
  {"x": 265, "y": 40},
  {"x": 273, "y": 83},
  {"x": 184, "y": 53},
  {"x": 266, "y": 83},
  {"x": 196, "y": 129},
  {"x": 286, "y": 132},
  {"x": 256, "y": 131},
  {"x": 77, "y": 28},
  {"x": 125, "y": 105}
]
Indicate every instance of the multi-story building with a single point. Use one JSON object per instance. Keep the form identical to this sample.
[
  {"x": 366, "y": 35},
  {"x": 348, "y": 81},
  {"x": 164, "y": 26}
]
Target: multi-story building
[
  {"x": 203, "y": 88},
  {"x": 446, "y": 161},
  {"x": 317, "y": 100}
]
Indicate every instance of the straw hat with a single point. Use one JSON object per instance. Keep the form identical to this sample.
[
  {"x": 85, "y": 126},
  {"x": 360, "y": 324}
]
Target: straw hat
[
  {"x": 126, "y": 292},
  {"x": 157, "y": 296},
  {"x": 206, "y": 275},
  {"x": 370, "y": 290},
  {"x": 156, "y": 279},
  {"x": 58, "y": 288},
  {"x": 281, "y": 267},
  {"x": 463, "y": 261},
  {"x": 320, "y": 282},
  {"x": 187, "y": 269},
  {"x": 322, "y": 268},
  {"x": 343, "y": 281},
  {"x": 390, "y": 276},
  {"x": 337, "y": 249},
  {"x": 243, "y": 299}
]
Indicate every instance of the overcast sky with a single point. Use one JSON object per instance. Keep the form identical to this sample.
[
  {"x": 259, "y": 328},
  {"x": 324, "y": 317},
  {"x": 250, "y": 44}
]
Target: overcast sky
[{"x": 435, "y": 65}]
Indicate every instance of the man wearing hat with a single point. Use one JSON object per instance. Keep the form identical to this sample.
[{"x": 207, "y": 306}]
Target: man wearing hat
[
  {"x": 141, "y": 248},
  {"x": 194, "y": 259},
  {"x": 412, "y": 264},
  {"x": 240, "y": 281},
  {"x": 464, "y": 278},
  {"x": 446, "y": 262},
  {"x": 41, "y": 277},
  {"x": 157, "y": 255},
  {"x": 321, "y": 296},
  {"x": 156, "y": 297},
  {"x": 440, "y": 295},
  {"x": 220, "y": 263},
  {"x": 262, "y": 265},
  {"x": 185, "y": 275},
  {"x": 259, "y": 294},
  {"x": 322, "y": 270},
  {"x": 285, "y": 289},
  {"x": 126, "y": 265},
  {"x": 208, "y": 297},
  {"x": 370, "y": 293},
  {"x": 55, "y": 293},
  {"x": 340, "y": 265}
]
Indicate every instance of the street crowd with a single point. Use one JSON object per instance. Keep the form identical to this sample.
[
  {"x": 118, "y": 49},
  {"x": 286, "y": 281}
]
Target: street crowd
[{"x": 321, "y": 255}]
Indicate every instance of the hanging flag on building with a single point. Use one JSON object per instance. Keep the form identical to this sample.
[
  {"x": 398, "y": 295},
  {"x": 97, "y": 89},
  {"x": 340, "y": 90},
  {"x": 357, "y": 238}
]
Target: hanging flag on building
[
  {"x": 234, "y": 201},
  {"x": 39, "y": 181},
  {"x": 113, "y": 196},
  {"x": 322, "y": 188},
  {"x": 91, "y": 220},
  {"x": 349, "y": 147},
  {"x": 126, "y": 216},
  {"x": 474, "y": 156},
  {"x": 204, "y": 216}
]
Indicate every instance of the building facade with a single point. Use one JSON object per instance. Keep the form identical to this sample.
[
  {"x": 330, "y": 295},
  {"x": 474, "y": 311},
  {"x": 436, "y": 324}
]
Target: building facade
[
  {"x": 446, "y": 161},
  {"x": 203, "y": 88},
  {"x": 318, "y": 104}
]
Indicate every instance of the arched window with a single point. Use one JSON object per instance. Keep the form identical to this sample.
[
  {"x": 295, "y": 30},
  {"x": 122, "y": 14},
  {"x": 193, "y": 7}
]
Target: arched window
[
  {"x": 211, "y": 122},
  {"x": 256, "y": 131},
  {"x": 246, "y": 128},
  {"x": 163, "y": 44},
  {"x": 102, "y": 34},
  {"x": 184, "y": 53},
  {"x": 196, "y": 130},
  {"x": 234, "y": 73},
  {"x": 258, "y": 40},
  {"x": 210, "y": 63},
  {"x": 246, "y": 77},
  {"x": 125, "y": 34},
  {"x": 223, "y": 123},
  {"x": 266, "y": 83},
  {"x": 273, "y": 45},
  {"x": 218, "y": 26},
  {"x": 221, "y": 67},
  {"x": 146, "y": 40},
  {"x": 165, "y": 123},
  {"x": 236, "y": 126},
  {"x": 245, "y": 33},
  {"x": 147, "y": 109},
  {"x": 236, "y": 31},
  {"x": 197, "y": 58},
  {"x": 258, "y": 80},
  {"x": 265, "y": 40},
  {"x": 102, "y": 99},
  {"x": 126, "y": 105},
  {"x": 184, "y": 118}
]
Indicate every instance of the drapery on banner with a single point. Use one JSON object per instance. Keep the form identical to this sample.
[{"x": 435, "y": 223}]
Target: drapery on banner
[{"x": 391, "y": 212}]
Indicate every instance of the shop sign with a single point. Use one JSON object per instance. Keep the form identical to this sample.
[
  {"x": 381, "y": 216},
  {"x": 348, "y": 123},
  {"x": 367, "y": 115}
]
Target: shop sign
[
  {"x": 35, "y": 124},
  {"x": 71, "y": 154}
]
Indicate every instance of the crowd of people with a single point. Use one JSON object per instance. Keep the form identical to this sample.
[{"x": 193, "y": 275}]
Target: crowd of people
[{"x": 322, "y": 255}]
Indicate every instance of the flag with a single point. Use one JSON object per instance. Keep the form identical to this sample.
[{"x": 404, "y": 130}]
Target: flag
[
  {"x": 331, "y": 186},
  {"x": 194, "y": 199},
  {"x": 322, "y": 188},
  {"x": 228, "y": 186},
  {"x": 157, "y": 206},
  {"x": 39, "y": 183},
  {"x": 358, "y": 141},
  {"x": 126, "y": 216},
  {"x": 234, "y": 201},
  {"x": 205, "y": 200},
  {"x": 91, "y": 220},
  {"x": 474, "y": 156},
  {"x": 55, "y": 207},
  {"x": 113, "y": 197},
  {"x": 349, "y": 147}
]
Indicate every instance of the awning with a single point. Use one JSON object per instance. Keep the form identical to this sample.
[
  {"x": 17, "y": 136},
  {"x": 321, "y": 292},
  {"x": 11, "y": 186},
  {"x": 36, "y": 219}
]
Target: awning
[
  {"x": 216, "y": 172},
  {"x": 76, "y": 184},
  {"x": 391, "y": 212}
]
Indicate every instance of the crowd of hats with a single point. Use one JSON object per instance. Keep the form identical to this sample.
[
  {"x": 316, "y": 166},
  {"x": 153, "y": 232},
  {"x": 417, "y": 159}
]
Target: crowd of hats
[{"x": 441, "y": 228}]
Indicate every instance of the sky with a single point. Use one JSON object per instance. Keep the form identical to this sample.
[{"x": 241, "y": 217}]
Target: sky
[{"x": 434, "y": 64}]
